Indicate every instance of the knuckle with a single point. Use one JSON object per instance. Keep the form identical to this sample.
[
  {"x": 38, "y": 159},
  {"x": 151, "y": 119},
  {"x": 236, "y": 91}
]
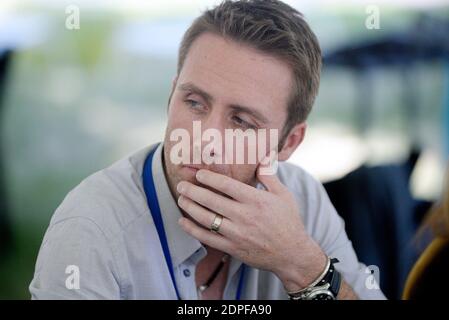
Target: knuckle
[
  {"x": 246, "y": 216},
  {"x": 251, "y": 220},
  {"x": 245, "y": 237}
]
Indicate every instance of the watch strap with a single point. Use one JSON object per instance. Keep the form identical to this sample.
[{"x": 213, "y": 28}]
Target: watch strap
[
  {"x": 335, "y": 282},
  {"x": 330, "y": 276}
]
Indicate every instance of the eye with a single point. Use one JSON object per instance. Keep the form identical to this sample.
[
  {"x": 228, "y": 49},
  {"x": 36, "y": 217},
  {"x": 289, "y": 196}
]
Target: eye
[
  {"x": 194, "y": 105},
  {"x": 242, "y": 123}
]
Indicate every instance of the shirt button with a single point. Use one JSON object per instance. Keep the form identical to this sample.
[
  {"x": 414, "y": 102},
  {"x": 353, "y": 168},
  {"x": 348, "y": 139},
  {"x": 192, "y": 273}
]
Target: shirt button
[{"x": 186, "y": 272}]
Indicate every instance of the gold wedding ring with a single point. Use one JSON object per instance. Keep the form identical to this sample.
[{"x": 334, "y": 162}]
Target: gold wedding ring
[{"x": 215, "y": 226}]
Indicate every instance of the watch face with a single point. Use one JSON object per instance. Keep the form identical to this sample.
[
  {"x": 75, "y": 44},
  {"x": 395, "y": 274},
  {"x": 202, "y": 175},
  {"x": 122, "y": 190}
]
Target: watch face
[{"x": 321, "y": 295}]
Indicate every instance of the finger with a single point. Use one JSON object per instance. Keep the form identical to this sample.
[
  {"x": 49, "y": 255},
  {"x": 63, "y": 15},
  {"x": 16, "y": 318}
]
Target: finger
[
  {"x": 269, "y": 178},
  {"x": 209, "y": 199},
  {"x": 204, "y": 216},
  {"x": 204, "y": 236},
  {"x": 233, "y": 188}
]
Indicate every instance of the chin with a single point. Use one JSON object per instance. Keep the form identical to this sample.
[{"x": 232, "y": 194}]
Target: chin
[{"x": 187, "y": 174}]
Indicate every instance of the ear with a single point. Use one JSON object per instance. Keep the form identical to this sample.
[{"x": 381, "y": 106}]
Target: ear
[{"x": 292, "y": 141}]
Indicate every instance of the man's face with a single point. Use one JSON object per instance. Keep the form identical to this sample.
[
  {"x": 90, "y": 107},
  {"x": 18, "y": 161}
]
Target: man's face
[{"x": 225, "y": 85}]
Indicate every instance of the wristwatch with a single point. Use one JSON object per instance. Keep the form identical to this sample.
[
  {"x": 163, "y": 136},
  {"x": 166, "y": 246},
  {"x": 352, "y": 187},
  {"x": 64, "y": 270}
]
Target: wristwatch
[{"x": 325, "y": 287}]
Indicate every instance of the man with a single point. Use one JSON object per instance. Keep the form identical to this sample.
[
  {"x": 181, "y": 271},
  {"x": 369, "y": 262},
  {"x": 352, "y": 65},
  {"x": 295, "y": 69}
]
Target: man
[{"x": 151, "y": 227}]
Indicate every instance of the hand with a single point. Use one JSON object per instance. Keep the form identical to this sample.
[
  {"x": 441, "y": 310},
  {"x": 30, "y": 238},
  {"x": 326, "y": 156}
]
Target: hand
[{"x": 262, "y": 228}]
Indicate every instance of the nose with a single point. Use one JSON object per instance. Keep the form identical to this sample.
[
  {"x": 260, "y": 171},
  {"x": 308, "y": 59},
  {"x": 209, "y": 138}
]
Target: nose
[{"x": 210, "y": 144}]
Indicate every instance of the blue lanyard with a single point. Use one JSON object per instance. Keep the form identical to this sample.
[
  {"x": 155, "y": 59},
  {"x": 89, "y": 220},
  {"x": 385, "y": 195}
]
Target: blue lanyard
[{"x": 153, "y": 204}]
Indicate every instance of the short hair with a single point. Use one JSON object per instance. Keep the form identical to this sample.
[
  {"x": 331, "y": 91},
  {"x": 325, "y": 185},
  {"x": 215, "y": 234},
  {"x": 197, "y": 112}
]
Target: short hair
[{"x": 273, "y": 28}]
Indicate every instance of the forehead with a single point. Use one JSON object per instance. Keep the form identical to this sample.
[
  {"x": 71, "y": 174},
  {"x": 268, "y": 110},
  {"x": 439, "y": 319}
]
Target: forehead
[{"x": 235, "y": 73}]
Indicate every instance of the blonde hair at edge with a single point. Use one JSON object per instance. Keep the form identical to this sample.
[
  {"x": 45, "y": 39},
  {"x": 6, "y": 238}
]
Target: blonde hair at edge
[{"x": 438, "y": 218}]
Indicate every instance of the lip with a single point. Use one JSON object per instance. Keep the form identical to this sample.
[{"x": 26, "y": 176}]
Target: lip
[{"x": 192, "y": 168}]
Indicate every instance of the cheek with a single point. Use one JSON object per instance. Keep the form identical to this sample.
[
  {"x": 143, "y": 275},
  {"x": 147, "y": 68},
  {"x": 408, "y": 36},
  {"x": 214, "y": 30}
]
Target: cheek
[
  {"x": 245, "y": 173},
  {"x": 177, "y": 115}
]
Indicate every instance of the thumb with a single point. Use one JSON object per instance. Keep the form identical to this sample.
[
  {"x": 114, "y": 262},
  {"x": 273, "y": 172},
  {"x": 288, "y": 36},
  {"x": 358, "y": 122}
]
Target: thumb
[{"x": 266, "y": 174}]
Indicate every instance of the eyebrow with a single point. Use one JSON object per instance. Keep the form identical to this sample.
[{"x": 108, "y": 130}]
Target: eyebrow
[{"x": 190, "y": 87}]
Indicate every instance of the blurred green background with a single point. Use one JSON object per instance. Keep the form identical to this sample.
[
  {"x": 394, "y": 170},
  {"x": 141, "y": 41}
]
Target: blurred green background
[{"x": 75, "y": 101}]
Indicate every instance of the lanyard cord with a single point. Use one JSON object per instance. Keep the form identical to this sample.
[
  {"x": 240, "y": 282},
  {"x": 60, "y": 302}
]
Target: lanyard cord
[{"x": 153, "y": 204}]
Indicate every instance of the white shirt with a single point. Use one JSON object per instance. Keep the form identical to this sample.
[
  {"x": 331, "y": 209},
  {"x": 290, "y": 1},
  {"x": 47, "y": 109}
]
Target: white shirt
[{"x": 103, "y": 238}]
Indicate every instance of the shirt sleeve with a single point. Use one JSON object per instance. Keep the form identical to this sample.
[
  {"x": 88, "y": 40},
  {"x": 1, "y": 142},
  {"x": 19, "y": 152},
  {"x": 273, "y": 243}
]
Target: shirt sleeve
[
  {"x": 75, "y": 261},
  {"x": 328, "y": 229}
]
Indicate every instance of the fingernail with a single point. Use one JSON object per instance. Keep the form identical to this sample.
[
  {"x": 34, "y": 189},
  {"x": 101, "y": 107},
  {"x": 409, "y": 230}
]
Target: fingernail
[
  {"x": 180, "y": 187},
  {"x": 199, "y": 174}
]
